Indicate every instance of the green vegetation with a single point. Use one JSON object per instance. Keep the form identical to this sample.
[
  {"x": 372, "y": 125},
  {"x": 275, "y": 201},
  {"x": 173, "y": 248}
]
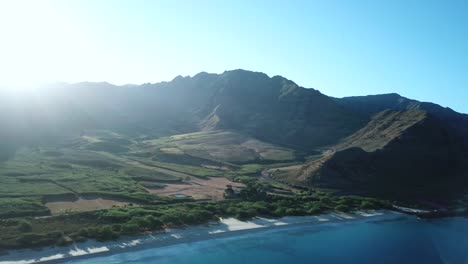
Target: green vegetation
[
  {"x": 17, "y": 207},
  {"x": 107, "y": 164},
  {"x": 112, "y": 223},
  {"x": 217, "y": 147},
  {"x": 181, "y": 170},
  {"x": 34, "y": 175},
  {"x": 104, "y": 165},
  {"x": 250, "y": 169}
]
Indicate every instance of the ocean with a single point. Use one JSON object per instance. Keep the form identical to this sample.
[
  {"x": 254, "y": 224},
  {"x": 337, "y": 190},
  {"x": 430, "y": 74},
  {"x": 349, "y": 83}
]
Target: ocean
[{"x": 402, "y": 240}]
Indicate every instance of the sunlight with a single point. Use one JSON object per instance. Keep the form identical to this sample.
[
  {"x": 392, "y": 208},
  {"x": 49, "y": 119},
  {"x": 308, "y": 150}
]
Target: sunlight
[
  {"x": 12, "y": 90},
  {"x": 40, "y": 43}
]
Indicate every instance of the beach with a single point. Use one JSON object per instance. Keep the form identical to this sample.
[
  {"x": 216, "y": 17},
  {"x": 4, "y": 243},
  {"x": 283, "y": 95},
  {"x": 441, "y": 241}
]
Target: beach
[{"x": 223, "y": 228}]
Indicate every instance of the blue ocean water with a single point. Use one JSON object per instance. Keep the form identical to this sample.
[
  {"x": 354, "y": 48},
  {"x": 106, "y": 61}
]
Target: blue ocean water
[{"x": 406, "y": 240}]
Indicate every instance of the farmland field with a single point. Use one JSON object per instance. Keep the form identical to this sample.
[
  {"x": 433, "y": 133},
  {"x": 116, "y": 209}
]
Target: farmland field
[{"x": 116, "y": 170}]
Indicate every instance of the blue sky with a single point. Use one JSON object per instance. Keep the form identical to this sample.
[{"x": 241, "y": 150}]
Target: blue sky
[{"x": 416, "y": 48}]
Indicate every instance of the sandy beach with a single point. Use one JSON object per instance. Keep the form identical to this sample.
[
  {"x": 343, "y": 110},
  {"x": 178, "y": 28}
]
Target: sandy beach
[{"x": 225, "y": 227}]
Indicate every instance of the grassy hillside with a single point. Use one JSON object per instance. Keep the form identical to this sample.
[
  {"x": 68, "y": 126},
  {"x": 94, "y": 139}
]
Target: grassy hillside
[{"x": 218, "y": 147}]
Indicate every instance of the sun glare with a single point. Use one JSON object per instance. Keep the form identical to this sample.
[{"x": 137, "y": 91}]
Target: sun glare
[
  {"x": 12, "y": 91},
  {"x": 40, "y": 43}
]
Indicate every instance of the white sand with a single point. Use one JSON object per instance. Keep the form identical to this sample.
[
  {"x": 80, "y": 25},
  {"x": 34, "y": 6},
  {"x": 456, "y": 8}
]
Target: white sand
[
  {"x": 233, "y": 224},
  {"x": 58, "y": 256},
  {"x": 97, "y": 250},
  {"x": 410, "y": 210},
  {"x": 77, "y": 252},
  {"x": 225, "y": 226}
]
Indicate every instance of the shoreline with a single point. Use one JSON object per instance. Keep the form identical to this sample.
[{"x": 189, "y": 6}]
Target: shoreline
[{"x": 213, "y": 230}]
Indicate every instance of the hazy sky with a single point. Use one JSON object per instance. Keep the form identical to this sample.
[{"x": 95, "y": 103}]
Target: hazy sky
[{"x": 416, "y": 48}]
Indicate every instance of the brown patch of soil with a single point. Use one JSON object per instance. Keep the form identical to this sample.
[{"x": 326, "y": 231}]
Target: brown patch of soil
[
  {"x": 211, "y": 188},
  {"x": 81, "y": 204}
]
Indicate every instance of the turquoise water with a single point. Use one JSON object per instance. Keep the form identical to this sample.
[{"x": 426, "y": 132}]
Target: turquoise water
[{"x": 407, "y": 240}]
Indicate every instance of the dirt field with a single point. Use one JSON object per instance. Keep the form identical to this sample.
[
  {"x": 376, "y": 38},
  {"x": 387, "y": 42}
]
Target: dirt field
[
  {"x": 212, "y": 188},
  {"x": 82, "y": 204}
]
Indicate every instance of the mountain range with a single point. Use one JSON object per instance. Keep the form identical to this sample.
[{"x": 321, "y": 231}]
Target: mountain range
[{"x": 381, "y": 144}]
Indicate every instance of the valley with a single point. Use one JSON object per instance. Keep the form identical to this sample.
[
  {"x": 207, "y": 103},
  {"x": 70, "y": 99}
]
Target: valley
[
  {"x": 111, "y": 161},
  {"x": 108, "y": 166}
]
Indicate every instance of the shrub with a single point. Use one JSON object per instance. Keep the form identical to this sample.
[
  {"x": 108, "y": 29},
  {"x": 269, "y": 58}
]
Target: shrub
[
  {"x": 92, "y": 232},
  {"x": 117, "y": 228},
  {"x": 232, "y": 210},
  {"x": 63, "y": 241},
  {"x": 83, "y": 232},
  {"x": 34, "y": 240},
  {"x": 316, "y": 209},
  {"x": 342, "y": 208},
  {"x": 280, "y": 211},
  {"x": 141, "y": 222},
  {"x": 24, "y": 226},
  {"x": 246, "y": 214},
  {"x": 154, "y": 223},
  {"x": 171, "y": 218},
  {"x": 105, "y": 233},
  {"x": 115, "y": 216},
  {"x": 345, "y": 201},
  {"x": 295, "y": 211},
  {"x": 130, "y": 228},
  {"x": 367, "y": 205},
  {"x": 146, "y": 222},
  {"x": 198, "y": 216},
  {"x": 261, "y": 207}
]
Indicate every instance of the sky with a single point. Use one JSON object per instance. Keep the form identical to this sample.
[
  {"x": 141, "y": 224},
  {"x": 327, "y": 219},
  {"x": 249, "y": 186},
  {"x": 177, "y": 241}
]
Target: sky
[{"x": 417, "y": 48}]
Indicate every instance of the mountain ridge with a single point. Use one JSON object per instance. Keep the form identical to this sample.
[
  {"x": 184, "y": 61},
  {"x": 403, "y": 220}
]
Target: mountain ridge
[{"x": 352, "y": 133}]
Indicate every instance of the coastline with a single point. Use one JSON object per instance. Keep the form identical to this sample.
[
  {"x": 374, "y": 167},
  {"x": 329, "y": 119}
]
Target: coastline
[{"x": 223, "y": 228}]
